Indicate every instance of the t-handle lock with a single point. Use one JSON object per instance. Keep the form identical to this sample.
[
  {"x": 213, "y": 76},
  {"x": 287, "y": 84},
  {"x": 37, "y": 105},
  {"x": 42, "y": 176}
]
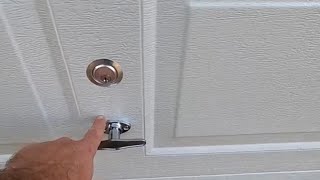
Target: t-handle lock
[{"x": 115, "y": 129}]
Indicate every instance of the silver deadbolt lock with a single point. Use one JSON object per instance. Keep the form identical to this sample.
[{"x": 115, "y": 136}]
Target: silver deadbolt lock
[{"x": 104, "y": 72}]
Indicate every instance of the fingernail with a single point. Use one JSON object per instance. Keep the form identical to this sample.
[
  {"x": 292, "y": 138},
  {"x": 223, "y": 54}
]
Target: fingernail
[{"x": 100, "y": 117}]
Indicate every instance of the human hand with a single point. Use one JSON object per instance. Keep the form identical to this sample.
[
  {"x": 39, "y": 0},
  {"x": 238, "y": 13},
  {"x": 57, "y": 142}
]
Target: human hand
[{"x": 63, "y": 159}]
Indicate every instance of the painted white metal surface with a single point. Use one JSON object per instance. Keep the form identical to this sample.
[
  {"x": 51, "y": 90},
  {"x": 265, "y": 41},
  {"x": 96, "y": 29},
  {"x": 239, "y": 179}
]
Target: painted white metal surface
[
  {"x": 236, "y": 80},
  {"x": 220, "y": 90},
  {"x": 250, "y": 73},
  {"x": 37, "y": 99},
  {"x": 44, "y": 89},
  {"x": 292, "y": 175}
]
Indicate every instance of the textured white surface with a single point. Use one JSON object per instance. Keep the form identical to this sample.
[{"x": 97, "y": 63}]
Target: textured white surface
[
  {"x": 46, "y": 48},
  {"x": 239, "y": 73},
  {"x": 292, "y": 175},
  {"x": 250, "y": 71},
  {"x": 54, "y": 41},
  {"x": 36, "y": 96},
  {"x": 103, "y": 29},
  {"x": 297, "y": 175}
]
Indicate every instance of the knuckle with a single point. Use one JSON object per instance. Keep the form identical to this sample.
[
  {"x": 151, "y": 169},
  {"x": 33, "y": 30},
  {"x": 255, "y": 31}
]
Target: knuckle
[
  {"x": 91, "y": 149},
  {"x": 87, "y": 147},
  {"x": 94, "y": 133}
]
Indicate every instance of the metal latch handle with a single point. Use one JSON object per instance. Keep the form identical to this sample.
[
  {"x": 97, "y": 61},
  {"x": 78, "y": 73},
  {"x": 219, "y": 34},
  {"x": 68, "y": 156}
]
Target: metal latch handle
[{"x": 115, "y": 129}]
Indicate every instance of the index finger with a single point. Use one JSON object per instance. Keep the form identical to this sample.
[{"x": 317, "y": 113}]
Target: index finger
[{"x": 95, "y": 134}]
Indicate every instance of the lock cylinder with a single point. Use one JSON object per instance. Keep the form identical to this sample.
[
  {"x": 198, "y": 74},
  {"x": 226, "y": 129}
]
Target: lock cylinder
[{"x": 104, "y": 72}]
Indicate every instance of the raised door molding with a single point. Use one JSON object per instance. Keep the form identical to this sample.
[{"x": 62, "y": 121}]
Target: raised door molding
[{"x": 231, "y": 77}]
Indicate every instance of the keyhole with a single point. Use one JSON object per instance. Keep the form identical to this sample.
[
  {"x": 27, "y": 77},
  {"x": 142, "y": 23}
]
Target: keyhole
[{"x": 106, "y": 79}]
